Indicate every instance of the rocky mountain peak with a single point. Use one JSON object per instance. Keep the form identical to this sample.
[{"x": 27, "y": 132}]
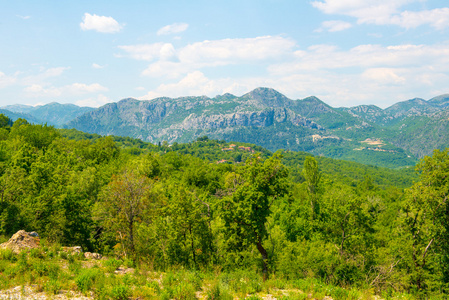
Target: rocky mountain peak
[
  {"x": 441, "y": 101},
  {"x": 268, "y": 97}
]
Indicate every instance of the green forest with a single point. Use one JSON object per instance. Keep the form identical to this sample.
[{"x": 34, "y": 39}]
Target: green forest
[{"x": 208, "y": 208}]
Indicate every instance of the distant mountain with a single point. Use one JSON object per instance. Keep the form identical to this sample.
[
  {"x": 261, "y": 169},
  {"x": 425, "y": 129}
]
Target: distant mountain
[
  {"x": 14, "y": 116},
  {"x": 441, "y": 101},
  {"x": 393, "y": 137},
  {"x": 53, "y": 113},
  {"x": 399, "y": 111},
  {"x": 262, "y": 116}
]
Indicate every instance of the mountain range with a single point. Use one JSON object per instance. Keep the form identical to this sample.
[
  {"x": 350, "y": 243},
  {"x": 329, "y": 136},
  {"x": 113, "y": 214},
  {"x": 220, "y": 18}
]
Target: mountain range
[{"x": 394, "y": 137}]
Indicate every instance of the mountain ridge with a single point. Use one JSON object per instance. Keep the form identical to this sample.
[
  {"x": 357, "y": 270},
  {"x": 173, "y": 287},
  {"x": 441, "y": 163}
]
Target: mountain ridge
[{"x": 364, "y": 133}]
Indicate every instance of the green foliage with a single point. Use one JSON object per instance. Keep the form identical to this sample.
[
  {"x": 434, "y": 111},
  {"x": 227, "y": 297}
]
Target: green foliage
[
  {"x": 87, "y": 278},
  {"x": 283, "y": 218},
  {"x": 5, "y": 121},
  {"x": 246, "y": 209},
  {"x": 7, "y": 255},
  {"x": 120, "y": 292}
]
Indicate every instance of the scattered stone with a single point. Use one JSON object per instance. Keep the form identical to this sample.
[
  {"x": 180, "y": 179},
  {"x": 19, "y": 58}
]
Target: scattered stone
[
  {"x": 73, "y": 250},
  {"x": 34, "y": 234},
  {"x": 21, "y": 240},
  {"x": 124, "y": 270},
  {"x": 90, "y": 255}
]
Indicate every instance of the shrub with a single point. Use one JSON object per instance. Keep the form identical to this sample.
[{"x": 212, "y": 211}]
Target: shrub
[
  {"x": 214, "y": 292},
  {"x": 112, "y": 264},
  {"x": 120, "y": 292},
  {"x": 8, "y": 254},
  {"x": 154, "y": 286},
  {"x": 52, "y": 286},
  {"x": 184, "y": 291},
  {"x": 37, "y": 253},
  {"x": 45, "y": 268},
  {"x": 74, "y": 266},
  {"x": 63, "y": 255},
  {"x": 253, "y": 297},
  {"x": 87, "y": 278}
]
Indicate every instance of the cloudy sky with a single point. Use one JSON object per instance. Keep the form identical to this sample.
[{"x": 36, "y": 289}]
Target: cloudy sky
[{"x": 346, "y": 52}]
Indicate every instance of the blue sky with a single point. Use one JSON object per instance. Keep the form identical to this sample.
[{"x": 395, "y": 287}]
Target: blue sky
[{"x": 346, "y": 52}]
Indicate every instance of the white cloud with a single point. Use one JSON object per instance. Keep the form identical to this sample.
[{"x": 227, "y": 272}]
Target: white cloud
[
  {"x": 97, "y": 66},
  {"x": 101, "y": 24},
  {"x": 228, "y": 51},
  {"x": 81, "y": 88},
  {"x": 437, "y": 18},
  {"x": 217, "y": 52},
  {"x": 384, "y": 76},
  {"x": 169, "y": 69},
  {"x": 163, "y": 51},
  {"x": 42, "y": 77},
  {"x": 334, "y": 26},
  {"x": 174, "y": 63},
  {"x": 23, "y": 17},
  {"x": 324, "y": 57},
  {"x": 37, "y": 90},
  {"x": 94, "y": 102},
  {"x": 173, "y": 28},
  {"x": 197, "y": 84},
  {"x": 385, "y": 12},
  {"x": 54, "y": 72},
  {"x": 6, "y": 80}
]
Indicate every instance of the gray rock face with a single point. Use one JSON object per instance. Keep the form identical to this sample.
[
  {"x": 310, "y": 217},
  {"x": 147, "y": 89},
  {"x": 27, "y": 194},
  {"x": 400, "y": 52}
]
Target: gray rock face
[{"x": 171, "y": 119}]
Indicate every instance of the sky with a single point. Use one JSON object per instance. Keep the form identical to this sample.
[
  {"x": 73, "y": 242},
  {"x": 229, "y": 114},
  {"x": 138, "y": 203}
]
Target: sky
[{"x": 345, "y": 52}]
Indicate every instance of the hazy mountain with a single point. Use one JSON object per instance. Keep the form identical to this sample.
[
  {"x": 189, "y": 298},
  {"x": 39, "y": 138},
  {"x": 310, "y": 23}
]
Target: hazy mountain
[
  {"x": 14, "y": 116},
  {"x": 399, "y": 111},
  {"x": 53, "y": 113}
]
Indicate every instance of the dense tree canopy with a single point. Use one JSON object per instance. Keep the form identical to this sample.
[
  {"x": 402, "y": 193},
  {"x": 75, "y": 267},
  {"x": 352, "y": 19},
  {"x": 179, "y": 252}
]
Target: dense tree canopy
[{"x": 202, "y": 205}]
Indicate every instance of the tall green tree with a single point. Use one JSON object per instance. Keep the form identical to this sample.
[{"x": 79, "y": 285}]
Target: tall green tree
[
  {"x": 312, "y": 177},
  {"x": 251, "y": 193},
  {"x": 426, "y": 223},
  {"x": 123, "y": 203}
]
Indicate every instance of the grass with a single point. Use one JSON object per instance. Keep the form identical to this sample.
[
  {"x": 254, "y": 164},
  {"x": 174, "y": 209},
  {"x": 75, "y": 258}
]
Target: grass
[{"x": 52, "y": 273}]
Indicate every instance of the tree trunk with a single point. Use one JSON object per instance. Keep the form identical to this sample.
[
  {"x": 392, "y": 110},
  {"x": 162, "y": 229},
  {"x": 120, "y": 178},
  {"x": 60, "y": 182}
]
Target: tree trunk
[{"x": 264, "y": 254}]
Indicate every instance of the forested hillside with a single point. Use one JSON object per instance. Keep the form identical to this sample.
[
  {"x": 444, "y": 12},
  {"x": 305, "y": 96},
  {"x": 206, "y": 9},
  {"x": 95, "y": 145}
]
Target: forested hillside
[
  {"x": 218, "y": 205},
  {"x": 262, "y": 116}
]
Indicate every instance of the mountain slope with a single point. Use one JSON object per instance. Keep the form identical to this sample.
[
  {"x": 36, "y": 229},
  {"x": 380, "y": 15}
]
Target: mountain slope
[
  {"x": 53, "y": 113},
  {"x": 14, "y": 116},
  {"x": 262, "y": 116}
]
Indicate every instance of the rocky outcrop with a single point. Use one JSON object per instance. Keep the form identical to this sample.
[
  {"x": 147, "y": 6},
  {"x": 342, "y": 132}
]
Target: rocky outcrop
[
  {"x": 22, "y": 240},
  {"x": 90, "y": 255},
  {"x": 72, "y": 250}
]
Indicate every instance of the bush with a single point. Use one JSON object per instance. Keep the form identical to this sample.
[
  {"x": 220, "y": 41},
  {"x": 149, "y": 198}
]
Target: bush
[
  {"x": 52, "y": 286},
  {"x": 217, "y": 292},
  {"x": 154, "y": 286},
  {"x": 112, "y": 264},
  {"x": 120, "y": 292},
  {"x": 37, "y": 253},
  {"x": 87, "y": 278},
  {"x": 184, "y": 291},
  {"x": 8, "y": 254},
  {"x": 63, "y": 255},
  {"x": 74, "y": 266}
]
